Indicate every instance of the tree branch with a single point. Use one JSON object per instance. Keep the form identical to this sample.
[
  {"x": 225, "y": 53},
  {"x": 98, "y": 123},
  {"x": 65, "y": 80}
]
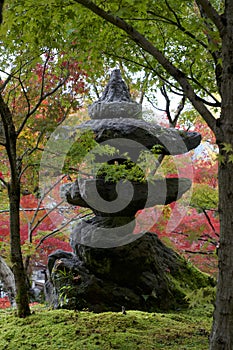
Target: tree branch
[
  {"x": 215, "y": 53},
  {"x": 45, "y": 216},
  {"x": 210, "y": 252},
  {"x": 147, "y": 67},
  {"x": 41, "y": 99},
  {"x": 5, "y": 183},
  {"x": 179, "y": 110},
  {"x": 52, "y": 233},
  {"x": 43, "y": 75},
  {"x": 210, "y": 223},
  {"x": 168, "y": 102},
  {"x": 30, "y": 151},
  {"x": 146, "y": 45},
  {"x": 42, "y": 198},
  {"x": 212, "y": 14},
  {"x": 178, "y": 25}
]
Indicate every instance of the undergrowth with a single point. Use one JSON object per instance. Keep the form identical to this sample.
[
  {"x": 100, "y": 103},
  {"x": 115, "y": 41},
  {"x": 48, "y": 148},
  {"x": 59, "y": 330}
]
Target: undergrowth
[{"x": 63, "y": 329}]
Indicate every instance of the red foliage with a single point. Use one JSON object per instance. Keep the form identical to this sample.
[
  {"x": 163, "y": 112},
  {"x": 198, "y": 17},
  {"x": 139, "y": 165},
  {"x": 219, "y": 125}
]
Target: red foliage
[
  {"x": 4, "y": 303},
  {"x": 205, "y": 171},
  {"x": 29, "y": 204},
  {"x": 193, "y": 232}
]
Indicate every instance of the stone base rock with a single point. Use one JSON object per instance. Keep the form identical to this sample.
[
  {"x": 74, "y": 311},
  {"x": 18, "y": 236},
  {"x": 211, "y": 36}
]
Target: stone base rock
[{"x": 143, "y": 275}]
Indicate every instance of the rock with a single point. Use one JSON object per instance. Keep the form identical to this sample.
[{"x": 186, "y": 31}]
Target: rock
[
  {"x": 114, "y": 222},
  {"x": 145, "y": 135},
  {"x": 104, "y": 232},
  {"x": 143, "y": 275},
  {"x": 107, "y": 199},
  {"x": 116, "y": 109},
  {"x": 115, "y": 101},
  {"x": 136, "y": 271}
]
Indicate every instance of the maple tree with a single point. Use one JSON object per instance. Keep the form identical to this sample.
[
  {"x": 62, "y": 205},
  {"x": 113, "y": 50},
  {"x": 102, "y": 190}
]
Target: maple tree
[{"x": 32, "y": 90}]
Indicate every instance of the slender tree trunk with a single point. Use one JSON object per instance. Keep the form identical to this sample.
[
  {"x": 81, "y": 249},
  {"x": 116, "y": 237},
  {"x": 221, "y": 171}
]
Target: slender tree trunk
[
  {"x": 222, "y": 330},
  {"x": 22, "y": 300},
  {"x": 7, "y": 278}
]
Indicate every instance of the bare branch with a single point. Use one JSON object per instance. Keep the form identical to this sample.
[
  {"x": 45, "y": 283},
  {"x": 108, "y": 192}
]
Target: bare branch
[
  {"x": 43, "y": 196},
  {"x": 6, "y": 81},
  {"x": 32, "y": 209},
  {"x": 41, "y": 99},
  {"x": 25, "y": 94},
  {"x": 168, "y": 103},
  {"x": 5, "y": 183},
  {"x": 179, "y": 26},
  {"x": 14, "y": 73},
  {"x": 28, "y": 223},
  {"x": 45, "y": 216},
  {"x": 43, "y": 75},
  {"x": 179, "y": 110},
  {"x": 205, "y": 237},
  {"x": 210, "y": 223},
  {"x": 59, "y": 229},
  {"x": 153, "y": 105},
  {"x": 215, "y": 53},
  {"x": 29, "y": 152},
  {"x": 210, "y": 252},
  {"x": 27, "y": 167}
]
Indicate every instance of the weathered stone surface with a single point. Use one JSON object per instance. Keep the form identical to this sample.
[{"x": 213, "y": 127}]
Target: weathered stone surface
[
  {"x": 143, "y": 275},
  {"x": 104, "y": 232},
  {"x": 129, "y": 196},
  {"x": 115, "y": 101},
  {"x": 116, "y": 110},
  {"x": 116, "y": 90},
  {"x": 147, "y": 134},
  {"x": 8, "y": 281},
  {"x": 136, "y": 271}
]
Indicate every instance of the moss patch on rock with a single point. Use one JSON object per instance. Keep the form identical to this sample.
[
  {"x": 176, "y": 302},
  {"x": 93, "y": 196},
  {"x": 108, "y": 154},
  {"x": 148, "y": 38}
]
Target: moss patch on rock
[{"x": 143, "y": 275}]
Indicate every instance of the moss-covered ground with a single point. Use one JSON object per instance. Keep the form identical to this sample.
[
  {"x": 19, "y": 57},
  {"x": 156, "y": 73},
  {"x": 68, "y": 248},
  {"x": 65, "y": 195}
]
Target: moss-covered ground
[{"x": 62, "y": 329}]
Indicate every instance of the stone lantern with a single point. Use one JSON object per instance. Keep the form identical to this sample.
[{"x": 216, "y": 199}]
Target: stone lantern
[
  {"x": 112, "y": 266},
  {"x": 117, "y": 121}
]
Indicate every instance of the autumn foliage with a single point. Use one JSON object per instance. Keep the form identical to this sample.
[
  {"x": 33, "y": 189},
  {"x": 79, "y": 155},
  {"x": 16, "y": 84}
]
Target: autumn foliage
[
  {"x": 193, "y": 234},
  {"x": 196, "y": 236}
]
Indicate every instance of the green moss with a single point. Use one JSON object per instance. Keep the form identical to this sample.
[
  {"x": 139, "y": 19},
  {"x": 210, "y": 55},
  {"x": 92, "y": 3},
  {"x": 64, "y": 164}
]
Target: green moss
[
  {"x": 186, "y": 280},
  {"x": 192, "y": 278},
  {"x": 63, "y": 329}
]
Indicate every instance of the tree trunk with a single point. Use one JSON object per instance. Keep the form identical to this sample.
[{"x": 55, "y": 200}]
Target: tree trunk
[
  {"x": 22, "y": 300},
  {"x": 7, "y": 278},
  {"x": 21, "y": 285},
  {"x": 222, "y": 330}
]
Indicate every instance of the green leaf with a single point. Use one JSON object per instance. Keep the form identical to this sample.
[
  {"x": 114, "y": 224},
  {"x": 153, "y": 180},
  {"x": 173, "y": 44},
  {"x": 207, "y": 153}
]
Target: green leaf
[
  {"x": 221, "y": 159},
  {"x": 227, "y": 147},
  {"x": 230, "y": 158}
]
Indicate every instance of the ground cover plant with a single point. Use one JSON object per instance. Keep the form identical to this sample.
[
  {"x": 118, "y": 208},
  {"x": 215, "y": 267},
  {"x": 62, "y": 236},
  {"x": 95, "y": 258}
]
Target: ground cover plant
[{"x": 62, "y": 329}]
